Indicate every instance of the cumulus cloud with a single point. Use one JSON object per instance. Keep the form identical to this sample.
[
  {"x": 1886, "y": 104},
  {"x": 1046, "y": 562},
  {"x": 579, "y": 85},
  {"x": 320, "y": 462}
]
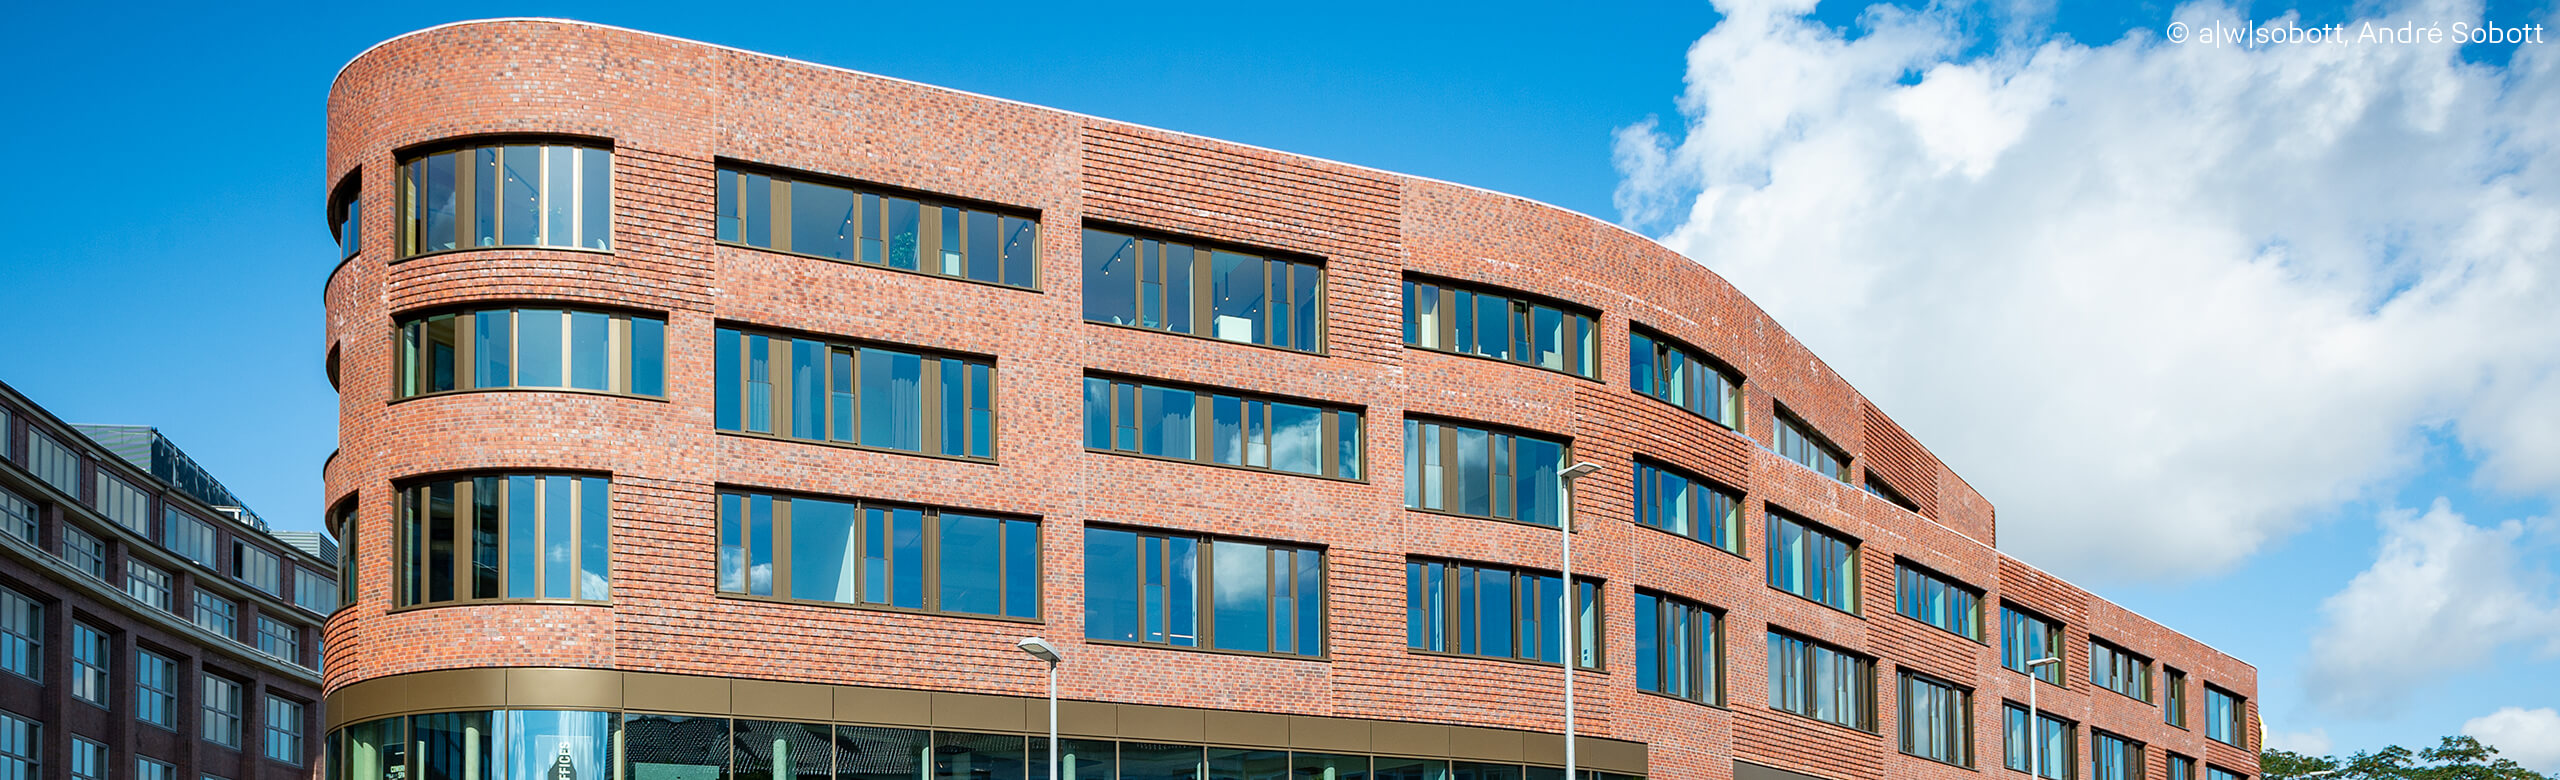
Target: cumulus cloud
[
  {"x": 2158, "y": 301},
  {"x": 2531, "y": 737},
  {"x": 2442, "y": 595},
  {"x": 2310, "y": 743}
]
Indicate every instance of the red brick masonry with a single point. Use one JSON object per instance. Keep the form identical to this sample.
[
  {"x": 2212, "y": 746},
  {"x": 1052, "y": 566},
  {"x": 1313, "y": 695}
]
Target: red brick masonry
[{"x": 672, "y": 107}]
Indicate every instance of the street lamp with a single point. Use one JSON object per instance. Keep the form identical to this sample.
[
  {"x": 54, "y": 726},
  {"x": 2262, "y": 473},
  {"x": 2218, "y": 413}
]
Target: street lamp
[
  {"x": 1040, "y": 649},
  {"x": 2035, "y": 726},
  {"x": 1571, "y": 594}
]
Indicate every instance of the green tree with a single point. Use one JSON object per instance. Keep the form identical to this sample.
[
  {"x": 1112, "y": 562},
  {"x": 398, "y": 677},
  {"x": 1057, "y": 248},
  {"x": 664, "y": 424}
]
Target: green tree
[{"x": 2454, "y": 758}]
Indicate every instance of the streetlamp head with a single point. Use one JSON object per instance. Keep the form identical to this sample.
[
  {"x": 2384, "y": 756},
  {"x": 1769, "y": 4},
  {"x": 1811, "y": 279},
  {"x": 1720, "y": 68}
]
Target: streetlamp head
[
  {"x": 1038, "y": 648},
  {"x": 1580, "y": 470},
  {"x": 2042, "y": 661}
]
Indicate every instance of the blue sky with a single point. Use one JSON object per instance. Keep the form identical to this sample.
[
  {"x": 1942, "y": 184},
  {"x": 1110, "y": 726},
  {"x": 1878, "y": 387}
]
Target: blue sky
[{"x": 168, "y": 248}]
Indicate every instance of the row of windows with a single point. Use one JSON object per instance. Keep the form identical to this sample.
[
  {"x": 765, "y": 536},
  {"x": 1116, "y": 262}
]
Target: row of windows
[
  {"x": 523, "y": 745},
  {"x": 866, "y": 396},
  {"x": 154, "y": 587},
  {"x": 801, "y": 216},
  {"x": 1484, "y": 323},
  {"x": 511, "y": 536},
  {"x": 1480, "y": 472},
  {"x": 2027, "y": 637},
  {"x": 1186, "y": 591},
  {"x": 1222, "y": 428},
  {"x": 542, "y": 195},
  {"x": 1203, "y": 291},
  {"x": 154, "y": 689},
  {"x": 1498, "y": 612},
  {"x": 878, "y": 554},
  {"x": 533, "y": 348}
]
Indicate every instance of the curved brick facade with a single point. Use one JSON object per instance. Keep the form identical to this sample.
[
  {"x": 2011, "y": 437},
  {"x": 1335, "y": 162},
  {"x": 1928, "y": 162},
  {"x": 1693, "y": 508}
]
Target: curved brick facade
[{"x": 671, "y": 108}]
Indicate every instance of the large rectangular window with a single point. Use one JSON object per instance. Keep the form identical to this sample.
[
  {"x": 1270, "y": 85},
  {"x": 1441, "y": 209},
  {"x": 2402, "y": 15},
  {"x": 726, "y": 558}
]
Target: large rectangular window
[
  {"x": 1481, "y": 472},
  {"x": 533, "y": 194},
  {"x": 53, "y": 462},
  {"x": 146, "y": 583},
  {"x": 21, "y": 634},
  {"x": 1202, "y": 290},
  {"x": 2055, "y": 755},
  {"x": 1186, "y": 591},
  {"x": 1471, "y": 609},
  {"x": 1674, "y": 501},
  {"x": 1924, "y": 596},
  {"x": 2115, "y": 669},
  {"x": 17, "y": 515},
  {"x": 1812, "y": 561},
  {"x": 88, "y": 759},
  {"x": 859, "y": 395},
  {"x": 878, "y": 554},
  {"x": 2027, "y": 637},
  {"x": 280, "y": 640},
  {"x": 1821, "y": 682},
  {"x": 346, "y": 216},
  {"x": 512, "y": 536},
  {"x": 2225, "y": 716},
  {"x": 257, "y": 566},
  {"x": 284, "y": 730},
  {"x": 155, "y": 689},
  {"x": 2181, "y": 767},
  {"x": 344, "y": 520},
  {"x": 89, "y": 654},
  {"x": 124, "y": 504},
  {"x": 148, "y": 769},
  {"x": 1799, "y": 442},
  {"x": 314, "y": 592},
  {"x": 1222, "y": 428},
  {"x": 2173, "y": 704},
  {"x": 221, "y": 711},
  {"x": 1936, "y": 720},
  {"x": 1679, "y": 648},
  {"x": 873, "y": 227},
  {"x": 21, "y": 748},
  {"x": 2212, "y": 772},
  {"x": 1477, "y": 321},
  {"x": 86, "y": 553},
  {"x": 187, "y": 536},
  {"x": 217, "y": 614},
  {"x": 533, "y": 348},
  {"x": 2114, "y": 758},
  {"x": 1683, "y": 377}
]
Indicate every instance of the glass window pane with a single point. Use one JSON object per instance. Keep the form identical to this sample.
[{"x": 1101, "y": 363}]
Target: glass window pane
[
  {"x": 824, "y": 220},
  {"x": 1235, "y": 297},
  {"x": 675, "y": 747},
  {"x": 587, "y": 358},
  {"x": 1111, "y": 585},
  {"x": 648, "y": 356},
  {"x": 1297, "y": 438},
  {"x": 772, "y": 750},
  {"x": 1150, "y": 761},
  {"x": 560, "y": 196},
  {"x": 538, "y": 347},
  {"x": 969, "y": 564},
  {"x": 808, "y": 389},
  {"x": 869, "y": 753},
  {"x": 984, "y": 265},
  {"x": 1167, "y": 425},
  {"x": 558, "y": 518},
  {"x": 1021, "y": 568},
  {"x": 904, "y": 236},
  {"x": 892, "y": 400},
  {"x": 1243, "y": 595},
  {"x": 1021, "y": 252},
  {"x": 519, "y": 204},
  {"x": 454, "y": 746},
  {"x": 824, "y": 558},
  {"x": 1110, "y": 278},
  {"x": 433, "y": 179},
  {"x": 594, "y": 554},
  {"x": 979, "y": 757},
  {"x": 490, "y": 342},
  {"x": 595, "y": 199},
  {"x": 559, "y": 745}
]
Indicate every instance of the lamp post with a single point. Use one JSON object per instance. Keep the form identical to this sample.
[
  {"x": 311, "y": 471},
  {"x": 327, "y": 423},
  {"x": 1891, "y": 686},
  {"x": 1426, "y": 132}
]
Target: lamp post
[
  {"x": 2035, "y": 725},
  {"x": 1571, "y": 593},
  {"x": 1040, "y": 649}
]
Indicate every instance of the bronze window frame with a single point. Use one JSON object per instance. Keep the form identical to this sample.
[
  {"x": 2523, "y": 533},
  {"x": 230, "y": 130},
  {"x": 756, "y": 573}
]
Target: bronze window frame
[
  {"x": 412, "y": 549},
  {"x": 1596, "y": 640},
  {"x": 1578, "y": 338},
  {"x": 2118, "y": 663},
  {"x": 1724, "y": 371},
  {"x": 413, "y": 335},
  {"x": 929, "y": 384},
  {"x": 1204, "y": 426},
  {"x": 1505, "y": 484},
  {"x": 1713, "y": 633},
  {"x": 1961, "y": 741},
  {"x": 1202, "y": 279},
  {"x": 1788, "y": 422},
  {"x": 929, "y": 554},
  {"x": 1204, "y": 598},
  {"x": 465, "y": 185},
  {"x": 1868, "y": 720},
  {"x": 930, "y": 243},
  {"x": 1644, "y": 503}
]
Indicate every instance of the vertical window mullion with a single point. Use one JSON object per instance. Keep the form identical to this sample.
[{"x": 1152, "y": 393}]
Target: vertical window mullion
[{"x": 932, "y": 558}]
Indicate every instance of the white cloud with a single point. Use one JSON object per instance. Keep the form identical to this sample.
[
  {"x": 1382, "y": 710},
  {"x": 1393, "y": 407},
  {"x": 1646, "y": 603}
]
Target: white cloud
[
  {"x": 2531, "y": 737},
  {"x": 2310, "y": 743},
  {"x": 2442, "y": 596},
  {"x": 2157, "y": 301}
]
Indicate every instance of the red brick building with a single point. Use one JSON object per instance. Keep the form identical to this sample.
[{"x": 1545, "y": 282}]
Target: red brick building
[{"x": 706, "y": 411}]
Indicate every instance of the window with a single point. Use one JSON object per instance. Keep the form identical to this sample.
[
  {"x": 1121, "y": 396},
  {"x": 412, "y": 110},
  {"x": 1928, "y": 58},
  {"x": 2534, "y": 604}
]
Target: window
[
  {"x": 2054, "y": 754},
  {"x": 1682, "y": 377},
  {"x": 790, "y": 214},
  {"x": 17, "y": 515},
  {"x": 221, "y": 711},
  {"x": 549, "y": 195},
  {"x": 123, "y": 503},
  {"x": 88, "y": 759},
  {"x": 155, "y": 689},
  {"x": 2114, "y": 669},
  {"x": 1448, "y": 318},
  {"x": 1924, "y": 596},
  {"x": 2173, "y": 708},
  {"x": 1222, "y": 428},
  {"x": 284, "y": 730},
  {"x": 533, "y": 348},
  {"x": 2025, "y": 637},
  {"x": 1674, "y": 501},
  {"x": 1469, "y": 609},
  {"x": 217, "y": 614},
  {"x": 2181, "y": 767},
  {"x": 280, "y": 639},
  {"x": 879, "y": 554},
  {"x": 1818, "y": 681},
  {"x": 858, "y": 395},
  {"x": 187, "y": 536},
  {"x": 2225, "y": 714},
  {"x": 19, "y": 748},
  {"x": 1876, "y": 486},
  {"x": 346, "y": 216},
  {"x": 52, "y": 462},
  {"x": 1200, "y": 290},
  {"x": 1798, "y": 442},
  {"x": 1184, "y": 591},
  {"x": 21, "y": 634},
  {"x": 510, "y": 536},
  {"x": 1936, "y": 720},
  {"x": 254, "y": 565},
  {"x": 147, "y": 769},
  {"x": 2212, "y": 772},
  {"x": 2113, "y": 758},
  {"x": 146, "y": 583},
  {"x": 84, "y": 552},
  {"x": 89, "y": 656},
  {"x": 314, "y": 592},
  {"x": 1679, "y": 648},
  {"x": 1459, "y": 469},
  {"x": 1811, "y": 561},
  {"x": 344, "y": 521}
]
